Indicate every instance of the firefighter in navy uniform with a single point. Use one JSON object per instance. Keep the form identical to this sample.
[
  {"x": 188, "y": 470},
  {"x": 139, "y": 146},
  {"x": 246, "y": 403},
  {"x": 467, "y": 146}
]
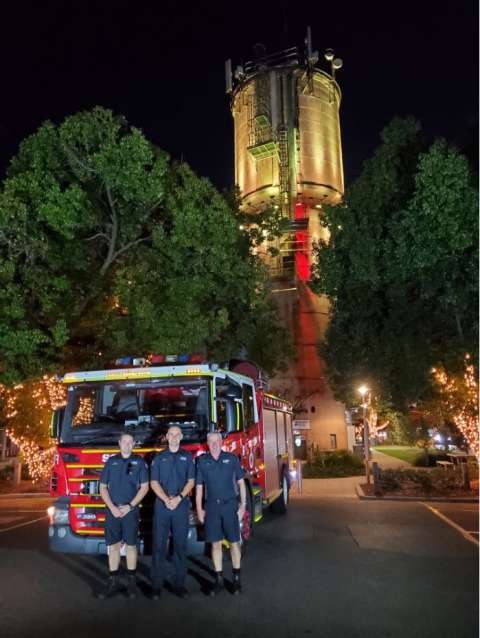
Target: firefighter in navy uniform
[
  {"x": 172, "y": 477},
  {"x": 123, "y": 484},
  {"x": 222, "y": 475}
]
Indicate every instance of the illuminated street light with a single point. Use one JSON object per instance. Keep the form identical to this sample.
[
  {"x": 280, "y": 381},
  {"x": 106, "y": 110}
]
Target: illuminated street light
[{"x": 364, "y": 391}]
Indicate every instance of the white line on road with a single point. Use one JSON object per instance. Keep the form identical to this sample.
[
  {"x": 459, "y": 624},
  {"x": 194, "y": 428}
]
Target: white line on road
[
  {"x": 35, "y": 520},
  {"x": 21, "y": 511},
  {"x": 447, "y": 520}
]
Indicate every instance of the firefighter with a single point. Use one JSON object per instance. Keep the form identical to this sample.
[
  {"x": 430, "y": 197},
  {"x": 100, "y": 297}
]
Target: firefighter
[
  {"x": 123, "y": 484},
  {"x": 222, "y": 476},
  {"x": 172, "y": 477}
]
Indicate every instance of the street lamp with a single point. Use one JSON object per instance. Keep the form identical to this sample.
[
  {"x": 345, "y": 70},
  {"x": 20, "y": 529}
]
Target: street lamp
[{"x": 363, "y": 390}]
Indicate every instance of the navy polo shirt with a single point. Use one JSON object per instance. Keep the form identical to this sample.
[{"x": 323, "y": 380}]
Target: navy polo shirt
[
  {"x": 123, "y": 477},
  {"x": 219, "y": 476},
  {"x": 172, "y": 470}
]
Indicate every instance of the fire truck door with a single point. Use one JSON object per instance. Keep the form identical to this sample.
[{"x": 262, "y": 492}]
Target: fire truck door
[{"x": 270, "y": 451}]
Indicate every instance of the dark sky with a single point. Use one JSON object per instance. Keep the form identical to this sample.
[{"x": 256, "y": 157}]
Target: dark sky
[{"x": 161, "y": 64}]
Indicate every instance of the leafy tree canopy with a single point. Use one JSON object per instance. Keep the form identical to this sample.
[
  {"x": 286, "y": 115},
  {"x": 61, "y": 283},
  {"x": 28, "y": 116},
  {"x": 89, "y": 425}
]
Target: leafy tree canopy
[
  {"x": 109, "y": 247},
  {"x": 400, "y": 269}
]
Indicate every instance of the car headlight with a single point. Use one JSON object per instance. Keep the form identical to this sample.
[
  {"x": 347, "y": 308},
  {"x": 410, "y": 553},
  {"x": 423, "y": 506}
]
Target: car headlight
[{"x": 57, "y": 516}]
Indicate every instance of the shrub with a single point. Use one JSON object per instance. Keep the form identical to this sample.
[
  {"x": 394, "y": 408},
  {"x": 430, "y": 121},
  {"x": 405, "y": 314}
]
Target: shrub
[
  {"x": 389, "y": 481},
  {"x": 430, "y": 482},
  {"x": 337, "y": 463},
  {"x": 6, "y": 473}
]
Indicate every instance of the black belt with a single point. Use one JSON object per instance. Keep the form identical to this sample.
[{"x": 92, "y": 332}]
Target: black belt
[{"x": 221, "y": 501}]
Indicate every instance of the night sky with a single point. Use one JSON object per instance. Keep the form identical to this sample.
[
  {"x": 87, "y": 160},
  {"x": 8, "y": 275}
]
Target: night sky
[{"x": 161, "y": 64}]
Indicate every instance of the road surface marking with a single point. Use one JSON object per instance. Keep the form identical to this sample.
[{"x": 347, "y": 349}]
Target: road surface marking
[
  {"x": 35, "y": 520},
  {"x": 447, "y": 520},
  {"x": 5, "y": 520},
  {"x": 22, "y": 511}
]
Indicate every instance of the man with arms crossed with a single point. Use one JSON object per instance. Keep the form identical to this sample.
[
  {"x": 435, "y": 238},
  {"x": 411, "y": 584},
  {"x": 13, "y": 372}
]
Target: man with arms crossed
[
  {"x": 222, "y": 476},
  {"x": 123, "y": 484},
  {"x": 171, "y": 478}
]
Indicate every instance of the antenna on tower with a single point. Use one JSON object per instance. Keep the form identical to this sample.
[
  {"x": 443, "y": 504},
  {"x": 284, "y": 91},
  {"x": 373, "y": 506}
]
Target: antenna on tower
[
  {"x": 312, "y": 56},
  {"x": 311, "y": 59},
  {"x": 228, "y": 77}
]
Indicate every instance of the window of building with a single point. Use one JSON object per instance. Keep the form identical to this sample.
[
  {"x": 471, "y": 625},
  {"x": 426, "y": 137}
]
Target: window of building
[{"x": 333, "y": 441}]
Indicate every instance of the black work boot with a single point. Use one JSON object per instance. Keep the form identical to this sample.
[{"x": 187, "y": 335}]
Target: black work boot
[
  {"x": 111, "y": 588},
  {"x": 131, "y": 585},
  {"x": 218, "y": 585},
  {"x": 236, "y": 584}
]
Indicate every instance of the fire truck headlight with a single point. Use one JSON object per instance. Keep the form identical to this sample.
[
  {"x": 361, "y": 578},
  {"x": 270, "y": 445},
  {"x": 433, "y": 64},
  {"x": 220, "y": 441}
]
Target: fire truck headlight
[{"x": 57, "y": 516}]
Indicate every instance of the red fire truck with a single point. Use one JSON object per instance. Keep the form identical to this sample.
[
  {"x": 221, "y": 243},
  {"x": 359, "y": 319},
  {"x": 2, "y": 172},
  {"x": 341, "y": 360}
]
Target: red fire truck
[{"x": 145, "y": 397}]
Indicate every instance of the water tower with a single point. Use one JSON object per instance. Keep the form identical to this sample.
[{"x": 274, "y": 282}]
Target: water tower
[{"x": 288, "y": 155}]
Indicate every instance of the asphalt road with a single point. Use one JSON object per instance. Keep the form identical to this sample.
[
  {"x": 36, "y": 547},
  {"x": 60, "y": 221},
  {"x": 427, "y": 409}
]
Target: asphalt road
[{"x": 335, "y": 567}]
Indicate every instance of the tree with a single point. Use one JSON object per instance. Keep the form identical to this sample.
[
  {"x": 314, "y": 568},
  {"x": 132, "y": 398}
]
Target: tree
[
  {"x": 401, "y": 269},
  {"x": 78, "y": 198},
  {"x": 213, "y": 292},
  {"x": 107, "y": 246},
  {"x": 458, "y": 401},
  {"x": 26, "y": 409},
  {"x": 351, "y": 267},
  {"x": 437, "y": 255}
]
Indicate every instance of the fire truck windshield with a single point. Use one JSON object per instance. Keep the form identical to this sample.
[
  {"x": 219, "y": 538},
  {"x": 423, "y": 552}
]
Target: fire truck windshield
[{"x": 97, "y": 412}]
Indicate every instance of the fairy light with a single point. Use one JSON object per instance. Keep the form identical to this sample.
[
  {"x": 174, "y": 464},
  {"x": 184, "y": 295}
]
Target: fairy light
[
  {"x": 85, "y": 411},
  {"x": 461, "y": 398},
  {"x": 26, "y": 409}
]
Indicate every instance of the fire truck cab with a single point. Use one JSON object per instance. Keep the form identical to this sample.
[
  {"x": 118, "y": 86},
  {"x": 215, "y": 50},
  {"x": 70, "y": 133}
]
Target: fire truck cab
[{"x": 145, "y": 398}]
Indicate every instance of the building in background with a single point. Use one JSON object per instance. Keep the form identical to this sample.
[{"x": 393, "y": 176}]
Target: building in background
[{"x": 288, "y": 155}]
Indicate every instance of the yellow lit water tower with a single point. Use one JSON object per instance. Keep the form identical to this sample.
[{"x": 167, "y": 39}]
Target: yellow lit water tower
[{"x": 288, "y": 154}]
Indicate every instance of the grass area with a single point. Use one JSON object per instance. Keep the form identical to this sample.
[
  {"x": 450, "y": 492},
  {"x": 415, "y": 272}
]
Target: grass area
[{"x": 403, "y": 452}]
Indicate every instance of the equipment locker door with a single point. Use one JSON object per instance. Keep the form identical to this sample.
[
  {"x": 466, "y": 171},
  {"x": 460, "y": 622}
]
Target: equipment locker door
[{"x": 270, "y": 451}]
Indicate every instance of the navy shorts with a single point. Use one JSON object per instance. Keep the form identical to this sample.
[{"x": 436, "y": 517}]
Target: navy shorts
[
  {"x": 221, "y": 521},
  {"x": 122, "y": 529}
]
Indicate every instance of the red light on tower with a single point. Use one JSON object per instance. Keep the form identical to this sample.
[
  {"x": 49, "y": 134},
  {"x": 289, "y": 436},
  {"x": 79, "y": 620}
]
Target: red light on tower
[
  {"x": 302, "y": 264},
  {"x": 300, "y": 211}
]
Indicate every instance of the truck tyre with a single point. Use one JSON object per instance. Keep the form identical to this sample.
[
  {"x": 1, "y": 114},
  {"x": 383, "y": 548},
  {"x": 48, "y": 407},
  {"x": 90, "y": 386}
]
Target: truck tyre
[{"x": 279, "y": 505}]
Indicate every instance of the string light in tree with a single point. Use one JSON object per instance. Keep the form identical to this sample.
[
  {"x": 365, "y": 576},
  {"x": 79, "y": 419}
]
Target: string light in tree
[
  {"x": 461, "y": 397},
  {"x": 26, "y": 409}
]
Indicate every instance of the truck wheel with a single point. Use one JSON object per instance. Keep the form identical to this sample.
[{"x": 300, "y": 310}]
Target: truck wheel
[{"x": 279, "y": 505}]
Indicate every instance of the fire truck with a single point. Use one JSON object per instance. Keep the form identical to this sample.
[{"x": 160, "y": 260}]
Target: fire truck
[{"x": 145, "y": 397}]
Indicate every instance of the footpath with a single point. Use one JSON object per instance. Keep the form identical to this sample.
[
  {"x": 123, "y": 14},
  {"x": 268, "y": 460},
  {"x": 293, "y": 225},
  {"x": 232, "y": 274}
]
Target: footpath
[
  {"x": 355, "y": 486},
  {"x": 387, "y": 462}
]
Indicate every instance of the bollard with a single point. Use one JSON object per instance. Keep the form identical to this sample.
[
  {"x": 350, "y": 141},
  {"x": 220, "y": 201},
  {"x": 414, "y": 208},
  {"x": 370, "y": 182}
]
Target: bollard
[
  {"x": 299, "y": 476},
  {"x": 465, "y": 476},
  {"x": 3, "y": 444},
  {"x": 17, "y": 473},
  {"x": 376, "y": 479}
]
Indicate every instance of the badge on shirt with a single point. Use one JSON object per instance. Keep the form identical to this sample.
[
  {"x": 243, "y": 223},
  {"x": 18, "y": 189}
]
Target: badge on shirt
[{"x": 226, "y": 461}]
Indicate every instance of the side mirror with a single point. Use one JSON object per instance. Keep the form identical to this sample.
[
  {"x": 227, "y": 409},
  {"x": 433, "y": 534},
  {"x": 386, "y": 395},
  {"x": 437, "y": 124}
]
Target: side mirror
[{"x": 56, "y": 423}]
